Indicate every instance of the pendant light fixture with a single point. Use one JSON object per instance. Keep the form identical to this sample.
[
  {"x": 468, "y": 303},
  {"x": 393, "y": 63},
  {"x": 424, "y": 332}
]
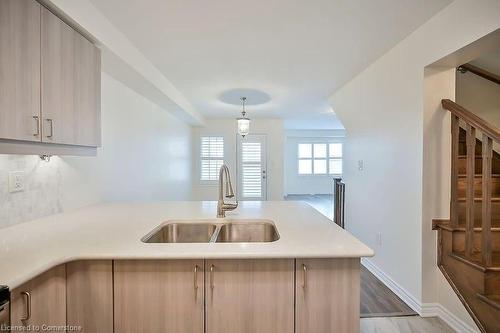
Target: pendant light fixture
[{"x": 243, "y": 121}]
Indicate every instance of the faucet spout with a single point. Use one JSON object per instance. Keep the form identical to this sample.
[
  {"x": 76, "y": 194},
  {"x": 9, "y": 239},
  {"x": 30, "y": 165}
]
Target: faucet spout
[{"x": 222, "y": 206}]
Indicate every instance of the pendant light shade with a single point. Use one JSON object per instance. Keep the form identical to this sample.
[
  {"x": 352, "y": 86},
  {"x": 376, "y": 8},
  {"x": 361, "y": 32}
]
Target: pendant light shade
[
  {"x": 243, "y": 121},
  {"x": 243, "y": 126}
]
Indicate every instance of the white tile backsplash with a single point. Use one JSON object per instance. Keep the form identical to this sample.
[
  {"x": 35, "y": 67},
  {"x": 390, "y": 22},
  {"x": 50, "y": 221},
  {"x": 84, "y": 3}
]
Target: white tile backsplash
[
  {"x": 45, "y": 191},
  {"x": 42, "y": 194}
]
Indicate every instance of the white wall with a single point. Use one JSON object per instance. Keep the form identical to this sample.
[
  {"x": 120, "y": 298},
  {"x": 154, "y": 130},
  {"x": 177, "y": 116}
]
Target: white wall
[
  {"x": 307, "y": 184},
  {"x": 226, "y": 127},
  {"x": 382, "y": 110},
  {"x": 145, "y": 155},
  {"x": 479, "y": 96}
]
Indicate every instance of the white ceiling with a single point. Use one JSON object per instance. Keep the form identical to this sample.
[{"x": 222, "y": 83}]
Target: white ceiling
[{"x": 298, "y": 52}]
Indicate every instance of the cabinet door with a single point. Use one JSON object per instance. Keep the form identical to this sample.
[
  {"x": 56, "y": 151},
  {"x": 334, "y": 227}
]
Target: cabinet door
[
  {"x": 248, "y": 296},
  {"x": 89, "y": 291},
  {"x": 19, "y": 70},
  {"x": 328, "y": 297},
  {"x": 46, "y": 303},
  {"x": 158, "y": 296},
  {"x": 71, "y": 89}
]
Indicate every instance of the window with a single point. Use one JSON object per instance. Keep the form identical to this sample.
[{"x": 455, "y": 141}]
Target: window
[
  {"x": 335, "y": 158},
  {"x": 212, "y": 157},
  {"x": 320, "y": 158}
]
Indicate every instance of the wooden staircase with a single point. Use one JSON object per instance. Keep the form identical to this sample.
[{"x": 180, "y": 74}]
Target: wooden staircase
[{"x": 469, "y": 242}]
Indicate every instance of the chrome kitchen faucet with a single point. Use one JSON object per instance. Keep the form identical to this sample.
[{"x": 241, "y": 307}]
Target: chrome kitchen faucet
[{"x": 222, "y": 206}]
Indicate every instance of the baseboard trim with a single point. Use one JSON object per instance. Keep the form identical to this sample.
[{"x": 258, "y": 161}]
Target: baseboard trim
[
  {"x": 423, "y": 309},
  {"x": 402, "y": 293},
  {"x": 437, "y": 310}
]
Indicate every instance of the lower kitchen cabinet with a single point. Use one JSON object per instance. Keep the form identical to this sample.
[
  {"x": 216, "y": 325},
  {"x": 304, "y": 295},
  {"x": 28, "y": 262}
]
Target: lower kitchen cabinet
[
  {"x": 152, "y": 296},
  {"x": 89, "y": 289},
  {"x": 194, "y": 296},
  {"x": 248, "y": 296},
  {"x": 41, "y": 301},
  {"x": 327, "y": 295}
]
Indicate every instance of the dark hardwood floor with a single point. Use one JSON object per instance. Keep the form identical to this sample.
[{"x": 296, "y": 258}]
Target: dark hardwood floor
[{"x": 376, "y": 299}]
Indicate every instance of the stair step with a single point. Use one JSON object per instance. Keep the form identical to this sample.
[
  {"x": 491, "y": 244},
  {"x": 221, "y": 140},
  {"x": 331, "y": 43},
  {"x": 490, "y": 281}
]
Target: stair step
[
  {"x": 479, "y": 199},
  {"x": 478, "y": 175},
  {"x": 478, "y": 183},
  {"x": 462, "y": 164},
  {"x": 495, "y": 211},
  {"x": 468, "y": 278},
  {"x": 459, "y": 239},
  {"x": 475, "y": 261},
  {"x": 493, "y": 300},
  {"x": 446, "y": 225}
]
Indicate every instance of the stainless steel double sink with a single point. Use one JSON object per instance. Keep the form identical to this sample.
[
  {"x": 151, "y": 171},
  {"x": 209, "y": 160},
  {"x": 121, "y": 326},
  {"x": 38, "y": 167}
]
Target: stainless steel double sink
[{"x": 214, "y": 231}]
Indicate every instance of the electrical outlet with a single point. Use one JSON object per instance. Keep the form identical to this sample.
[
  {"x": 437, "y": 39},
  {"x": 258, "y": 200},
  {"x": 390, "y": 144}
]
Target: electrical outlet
[
  {"x": 16, "y": 181},
  {"x": 361, "y": 165},
  {"x": 379, "y": 238}
]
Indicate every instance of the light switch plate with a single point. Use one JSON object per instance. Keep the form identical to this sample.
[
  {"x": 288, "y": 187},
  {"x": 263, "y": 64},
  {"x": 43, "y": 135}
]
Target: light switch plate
[
  {"x": 361, "y": 165},
  {"x": 16, "y": 181}
]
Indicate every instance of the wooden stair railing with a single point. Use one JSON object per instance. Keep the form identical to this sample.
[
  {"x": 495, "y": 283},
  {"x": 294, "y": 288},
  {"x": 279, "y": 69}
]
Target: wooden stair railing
[
  {"x": 469, "y": 242},
  {"x": 489, "y": 134}
]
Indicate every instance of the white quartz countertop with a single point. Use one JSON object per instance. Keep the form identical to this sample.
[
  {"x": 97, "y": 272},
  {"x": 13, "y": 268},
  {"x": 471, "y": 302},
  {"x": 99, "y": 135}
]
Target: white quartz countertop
[{"x": 114, "y": 231}]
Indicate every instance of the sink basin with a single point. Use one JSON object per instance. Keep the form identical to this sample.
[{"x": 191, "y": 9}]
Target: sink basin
[
  {"x": 214, "y": 230},
  {"x": 247, "y": 232},
  {"x": 181, "y": 233}
]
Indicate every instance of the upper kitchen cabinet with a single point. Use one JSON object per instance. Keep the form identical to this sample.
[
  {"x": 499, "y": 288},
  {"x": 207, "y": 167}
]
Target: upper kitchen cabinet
[
  {"x": 50, "y": 84},
  {"x": 20, "y": 70},
  {"x": 71, "y": 89}
]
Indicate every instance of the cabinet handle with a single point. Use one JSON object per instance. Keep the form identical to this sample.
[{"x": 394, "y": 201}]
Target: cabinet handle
[
  {"x": 37, "y": 119},
  {"x": 28, "y": 305},
  {"x": 51, "y": 123},
  {"x": 212, "y": 285},
  {"x": 304, "y": 272},
  {"x": 196, "y": 277}
]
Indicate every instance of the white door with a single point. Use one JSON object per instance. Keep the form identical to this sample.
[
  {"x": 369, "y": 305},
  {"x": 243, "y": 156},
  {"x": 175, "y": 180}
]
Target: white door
[{"x": 252, "y": 173}]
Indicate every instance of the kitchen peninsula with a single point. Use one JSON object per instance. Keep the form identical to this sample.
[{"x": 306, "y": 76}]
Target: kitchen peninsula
[{"x": 94, "y": 268}]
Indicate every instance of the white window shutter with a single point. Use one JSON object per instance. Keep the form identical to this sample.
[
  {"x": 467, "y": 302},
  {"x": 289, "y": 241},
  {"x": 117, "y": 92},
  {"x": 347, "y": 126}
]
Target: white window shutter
[
  {"x": 251, "y": 168},
  {"x": 212, "y": 157}
]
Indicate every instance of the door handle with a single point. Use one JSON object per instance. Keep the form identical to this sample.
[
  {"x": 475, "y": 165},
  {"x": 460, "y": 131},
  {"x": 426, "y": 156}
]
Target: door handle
[
  {"x": 28, "y": 305},
  {"x": 304, "y": 272},
  {"x": 37, "y": 119},
  {"x": 212, "y": 284},
  {"x": 51, "y": 123},
  {"x": 196, "y": 277}
]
